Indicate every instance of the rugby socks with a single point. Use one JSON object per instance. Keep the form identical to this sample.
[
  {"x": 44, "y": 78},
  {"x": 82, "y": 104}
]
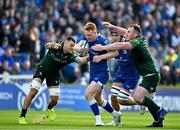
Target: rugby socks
[
  {"x": 107, "y": 106},
  {"x": 50, "y": 106},
  {"x": 23, "y": 112},
  {"x": 152, "y": 107},
  {"x": 98, "y": 118},
  {"x": 94, "y": 107}
]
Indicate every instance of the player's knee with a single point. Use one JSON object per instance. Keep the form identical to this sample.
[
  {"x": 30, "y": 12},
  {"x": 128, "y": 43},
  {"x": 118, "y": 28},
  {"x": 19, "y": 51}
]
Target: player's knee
[
  {"x": 138, "y": 99},
  {"x": 89, "y": 95}
]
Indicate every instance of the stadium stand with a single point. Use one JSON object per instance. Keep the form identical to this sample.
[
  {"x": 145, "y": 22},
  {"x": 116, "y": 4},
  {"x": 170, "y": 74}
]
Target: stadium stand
[{"x": 26, "y": 25}]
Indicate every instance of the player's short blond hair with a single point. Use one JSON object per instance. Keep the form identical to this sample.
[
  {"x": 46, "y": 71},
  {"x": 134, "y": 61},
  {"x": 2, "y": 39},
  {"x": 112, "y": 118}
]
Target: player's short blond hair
[{"x": 90, "y": 26}]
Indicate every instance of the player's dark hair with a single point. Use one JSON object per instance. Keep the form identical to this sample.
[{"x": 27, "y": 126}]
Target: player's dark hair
[
  {"x": 137, "y": 28},
  {"x": 70, "y": 38},
  {"x": 115, "y": 32}
]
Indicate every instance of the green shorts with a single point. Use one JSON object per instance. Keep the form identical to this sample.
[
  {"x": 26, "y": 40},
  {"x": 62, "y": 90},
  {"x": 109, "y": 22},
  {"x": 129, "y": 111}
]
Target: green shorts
[
  {"x": 150, "y": 82},
  {"x": 52, "y": 79}
]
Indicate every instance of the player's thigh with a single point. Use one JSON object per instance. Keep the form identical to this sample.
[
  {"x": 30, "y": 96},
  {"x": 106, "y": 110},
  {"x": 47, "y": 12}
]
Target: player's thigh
[
  {"x": 100, "y": 78},
  {"x": 38, "y": 78},
  {"x": 150, "y": 82},
  {"x": 117, "y": 88},
  {"x": 118, "y": 80},
  {"x": 122, "y": 85},
  {"x": 93, "y": 88},
  {"x": 53, "y": 81},
  {"x": 97, "y": 82},
  {"x": 139, "y": 94},
  {"x": 39, "y": 73},
  {"x": 36, "y": 83},
  {"x": 118, "y": 92},
  {"x": 117, "y": 84},
  {"x": 131, "y": 83}
]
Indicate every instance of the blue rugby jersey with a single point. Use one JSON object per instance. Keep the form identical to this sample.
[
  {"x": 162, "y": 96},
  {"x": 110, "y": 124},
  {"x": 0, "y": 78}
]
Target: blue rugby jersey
[
  {"x": 126, "y": 65},
  {"x": 101, "y": 66}
]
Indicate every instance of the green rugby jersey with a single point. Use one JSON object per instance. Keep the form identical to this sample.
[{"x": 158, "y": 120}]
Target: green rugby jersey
[
  {"x": 55, "y": 59},
  {"x": 142, "y": 57}
]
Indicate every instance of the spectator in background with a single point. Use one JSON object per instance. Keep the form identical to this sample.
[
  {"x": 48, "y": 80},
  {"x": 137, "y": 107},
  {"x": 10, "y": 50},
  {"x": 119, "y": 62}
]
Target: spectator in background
[
  {"x": 5, "y": 45},
  {"x": 167, "y": 71},
  {"x": 1, "y": 51},
  {"x": 165, "y": 35},
  {"x": 22, "y": 58},
  {"x": 176, "y": 37},
  {"x": 176, "y": 71},
  {"x": 25, "y": 42},
  {"x": 169, "y": 9},
  {"x": 34, "y": 45},
  {"x": 4, "y": 67},
  {"x": 16, "y": 68},
  {"x": 15, "y": 36},
  {"x": 171, "y": 57},
  {"x": 6, "y": 60},
  {"x": 137, "y": 10},
  {"x": 165, "y": 75},
  {"x": 26, "y": 68}
]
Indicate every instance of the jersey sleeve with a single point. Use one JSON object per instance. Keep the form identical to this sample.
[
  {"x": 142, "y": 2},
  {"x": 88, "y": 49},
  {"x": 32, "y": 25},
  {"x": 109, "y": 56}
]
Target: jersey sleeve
[
  {"x": 134, "y": 42},
  {"x": 105, "y": 41}
]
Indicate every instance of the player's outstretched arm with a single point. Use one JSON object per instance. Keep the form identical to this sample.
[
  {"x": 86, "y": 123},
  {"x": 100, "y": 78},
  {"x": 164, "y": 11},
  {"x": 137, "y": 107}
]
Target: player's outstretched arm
[
  {"x": 82, "y": 60},
  {"x": 121, "y": 30},
  {"x": 52, "y": 45},
  {"x": 114, "y": 46},
  {"x": 105, "y": 56}
]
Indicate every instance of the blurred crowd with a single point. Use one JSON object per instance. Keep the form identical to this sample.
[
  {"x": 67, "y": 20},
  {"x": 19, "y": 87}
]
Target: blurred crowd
[{"x": 26, "y": 25}]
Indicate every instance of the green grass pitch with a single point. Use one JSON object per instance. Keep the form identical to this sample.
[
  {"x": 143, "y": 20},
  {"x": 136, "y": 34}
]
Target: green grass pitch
[{"x": 72, "y": 120}]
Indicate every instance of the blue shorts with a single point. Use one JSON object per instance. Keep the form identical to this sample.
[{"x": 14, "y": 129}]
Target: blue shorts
[
  {"x": 128, "y": 82},
  {"x": 100, "y": 78}
]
